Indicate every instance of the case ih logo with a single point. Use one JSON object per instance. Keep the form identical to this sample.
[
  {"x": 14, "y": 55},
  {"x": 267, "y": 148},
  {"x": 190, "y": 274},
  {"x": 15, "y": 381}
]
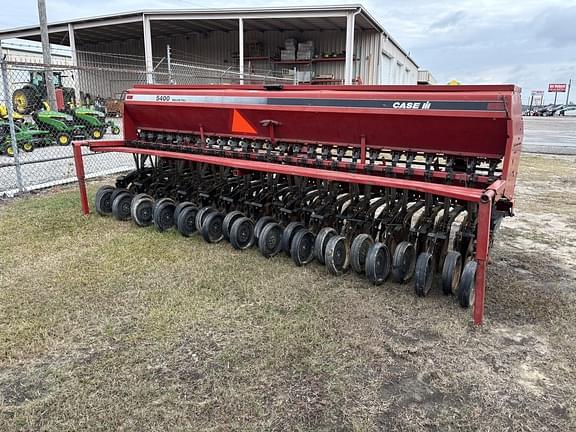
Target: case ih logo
[
  {"x": 556, "y": 88},
  {"x": 412, "y": 105}
]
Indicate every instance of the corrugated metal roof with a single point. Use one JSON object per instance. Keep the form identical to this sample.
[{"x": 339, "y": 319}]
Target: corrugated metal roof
[{"x": 122, "y": 26}]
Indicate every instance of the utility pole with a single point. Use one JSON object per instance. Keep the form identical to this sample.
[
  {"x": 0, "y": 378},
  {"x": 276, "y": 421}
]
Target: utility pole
[
  {"x": 568, "y": 92},
  {"x": 51, "y": 93}
]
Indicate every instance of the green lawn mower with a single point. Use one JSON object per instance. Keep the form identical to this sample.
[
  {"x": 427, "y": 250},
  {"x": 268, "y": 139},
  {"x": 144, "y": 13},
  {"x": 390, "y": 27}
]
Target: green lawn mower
[
  {"x": 61, "y": 126},
  {"x": 94, "y": 122},
  {"x": 26, "y": 138}
]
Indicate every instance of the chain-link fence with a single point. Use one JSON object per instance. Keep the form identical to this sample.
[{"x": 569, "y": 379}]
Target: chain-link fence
[{"x": 37, "y": 129}]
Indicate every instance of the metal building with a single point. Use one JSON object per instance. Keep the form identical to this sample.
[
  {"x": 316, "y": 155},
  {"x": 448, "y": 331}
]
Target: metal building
[{"x": 348, "y": 44}]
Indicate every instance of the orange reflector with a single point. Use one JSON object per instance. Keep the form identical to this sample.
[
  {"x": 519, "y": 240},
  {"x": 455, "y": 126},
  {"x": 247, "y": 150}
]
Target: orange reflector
[{"x": 240, "y": 124}]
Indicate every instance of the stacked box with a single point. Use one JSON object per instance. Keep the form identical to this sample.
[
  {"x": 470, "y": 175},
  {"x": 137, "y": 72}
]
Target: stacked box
[
  {"x": 305, "y": 50},
  {"x": 287, "y": 55},
  {"x": 290, "y": 44}
]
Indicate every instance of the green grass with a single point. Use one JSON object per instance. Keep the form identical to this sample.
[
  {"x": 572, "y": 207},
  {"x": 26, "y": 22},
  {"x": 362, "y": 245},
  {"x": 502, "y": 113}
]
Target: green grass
[{"x": 106, "y": 326}]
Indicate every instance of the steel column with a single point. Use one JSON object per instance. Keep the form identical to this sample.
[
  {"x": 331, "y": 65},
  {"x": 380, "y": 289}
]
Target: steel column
[
  {"x": 348, "y": 65},
  {"x": 148, "y": 50},
  {"x": 241, "y": 48}
]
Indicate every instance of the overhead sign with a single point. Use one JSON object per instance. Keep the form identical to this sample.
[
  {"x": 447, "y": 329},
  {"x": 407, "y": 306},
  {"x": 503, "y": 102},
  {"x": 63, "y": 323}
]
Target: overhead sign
[{"x": 557, "y": 88}]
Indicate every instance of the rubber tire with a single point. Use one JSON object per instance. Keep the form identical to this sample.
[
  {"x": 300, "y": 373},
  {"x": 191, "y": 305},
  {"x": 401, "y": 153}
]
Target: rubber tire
[
  {"x": 96, "y": 133},
  {"x": 324, "y": 235},
  {"x": 27, "y": 93},
  {"x": 186, "y": 222},
  {"x": 424, "y": 274},
  {"x": 115, "y": 130},
  {"x": 358, "y": 251},
  {"x": 467, "y": 286},
  {"x": 181, "y": 206},
  {"x": 163, "y": 214},
  {"x": 9, "y": 150},
  {"x": 212, "y": 227},
  {"x": 242, "y": 233},
  {"x": 117, "y": 191},
  {"x": 121, "y": 206},
  {"x": 63, "y": 135},
  {"x": 260, "y": 224},
  {"x": 289, "y": 232},
  {"x": 28, "y": 147},
  {"x": 336, "y": 256},
  {"x": 302, "y": 247},
  {"x": 403, "y": 271},
  {"x": 378, "y": 263},
  {"x": 201, "y": 216},
  {"x": 270, "y": 240},
  {"x": 103, "y": 200},
  {"x": 142, "y": 210},
  {"x": 451, "y": 271},
  {"x": 229, "y": 220}
]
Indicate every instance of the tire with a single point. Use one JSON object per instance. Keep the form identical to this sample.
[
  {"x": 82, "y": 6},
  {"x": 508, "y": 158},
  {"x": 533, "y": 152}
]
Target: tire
[
  {"x": 142, "y": 210},
  {"x": 163, "y": 214},
  {"x": 467, "y": 286},
  {"x": 403, "y": 262},
  {"x": 378, "y": 263},
  {"x": 121, "y": 206},
  {"x": 103, "y": 200},
  {"x": 23, "y": 101},
  {"x": 270, "y": 240},
  {"x": 63, "y": 138},
  {"x": 424, "y": 274},
  {"x": 337, "y": 256},
  {"x": 96, "y": 133},
  {"x": 289, "y": 232},
  {"x": 242, "y": 233},
  {"x": 9, "y": 150},
  {"x": 358, "y": 252},
  {"x": 302, "y": 247},
  {"x": 229, "y": 220},
  {"x": 201, "y": 216},
  {"x": 322, "y": 239},
  {"x": 451, "y": 271},
  {"x": 115, "y": 130},
  {"x": 260, "y": 224},
  {"x": 28, "y": 147},
  {"x": 181, "y": 206},
  {"x": 212, "y": 227},
  {"x": 186, "y": 223}
]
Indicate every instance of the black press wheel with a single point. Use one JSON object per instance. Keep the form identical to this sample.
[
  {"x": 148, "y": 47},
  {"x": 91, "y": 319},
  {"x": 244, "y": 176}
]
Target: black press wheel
[
  {"x": 324, "y": 235},
  {"x": 186, "y": 223},
  {"x": 424, "y": 274},
  {"x": 270, "y": 240},
  {"x": 377, "y": 263},
  {"x": 467, "y": 285},
  {"x": 242, "y": 233},
  {"x": 163, "y": 214},
  {"x": 403, "y": 262},
  {"x": 336, "y": 255},
  {"x": 103, "y": 200},
  {"x": 141, "y": 209},
  {"x": 121, "y": 206},
  {"x": 212, "y": 227},
  {"x": 302, "y": 248},
  {"x": 289, "y": 232},
  {"x": 359, "y": 250},
  {"x": 260, "y": 224},
  {"x": 229, "y": 220},
  {"x": 451, "y": 271},
  {"x": 181, "y": 206},
  {"x": 201, "y": 216}
]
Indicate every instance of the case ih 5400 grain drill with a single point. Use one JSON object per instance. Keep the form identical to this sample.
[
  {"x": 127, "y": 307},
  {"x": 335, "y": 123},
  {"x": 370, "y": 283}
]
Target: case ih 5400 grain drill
[{"x": 401, "y": 182}]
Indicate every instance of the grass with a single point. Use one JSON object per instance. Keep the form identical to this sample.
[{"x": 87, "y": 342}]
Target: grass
[{"x": 105, "y": 326}]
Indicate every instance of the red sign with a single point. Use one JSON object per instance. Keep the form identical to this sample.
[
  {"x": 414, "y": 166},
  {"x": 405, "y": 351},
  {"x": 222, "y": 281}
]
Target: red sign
[{"x": 556, "y": 88}]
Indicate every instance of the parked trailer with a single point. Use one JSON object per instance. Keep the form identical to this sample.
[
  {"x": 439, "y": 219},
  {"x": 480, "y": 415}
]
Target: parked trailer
[{"x": 401, "y": 182}]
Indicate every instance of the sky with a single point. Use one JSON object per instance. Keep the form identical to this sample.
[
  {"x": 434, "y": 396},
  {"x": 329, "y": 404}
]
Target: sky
[{"x": 526, "y": 42}]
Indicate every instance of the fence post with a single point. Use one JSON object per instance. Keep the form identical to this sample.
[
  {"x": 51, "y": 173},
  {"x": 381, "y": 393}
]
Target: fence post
[{"x": 9, "y": 107}]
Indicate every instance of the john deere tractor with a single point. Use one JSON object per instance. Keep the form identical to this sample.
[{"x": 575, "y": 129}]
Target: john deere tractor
[
  {"x": 61, "y": 126},
  {"x": 26, "y": 138},
  {"x": 32, "y": 95},
  {"x": 94, "y": 122}
]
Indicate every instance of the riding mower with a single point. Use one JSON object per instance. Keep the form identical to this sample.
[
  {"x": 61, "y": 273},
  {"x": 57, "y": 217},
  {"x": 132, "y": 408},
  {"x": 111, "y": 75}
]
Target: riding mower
[
  {"x": 18, "y": 118},
  {"x": 94, "y": 122},
  {"x": 61, "y": 126},
  {"x": 26, "y": 138}
]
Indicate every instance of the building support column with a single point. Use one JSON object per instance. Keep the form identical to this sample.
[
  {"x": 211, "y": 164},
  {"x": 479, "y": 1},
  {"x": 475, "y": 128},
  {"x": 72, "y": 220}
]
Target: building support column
[
  {"x": 74, "y": 53},
  {"x": 241, "y": 48},
  {"x": 148, "y": 50},
  {"x": 349, "y": 63}
]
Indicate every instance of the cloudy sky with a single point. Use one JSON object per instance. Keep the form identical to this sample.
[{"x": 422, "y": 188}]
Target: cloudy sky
[{"x": 526, "y": 42}]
